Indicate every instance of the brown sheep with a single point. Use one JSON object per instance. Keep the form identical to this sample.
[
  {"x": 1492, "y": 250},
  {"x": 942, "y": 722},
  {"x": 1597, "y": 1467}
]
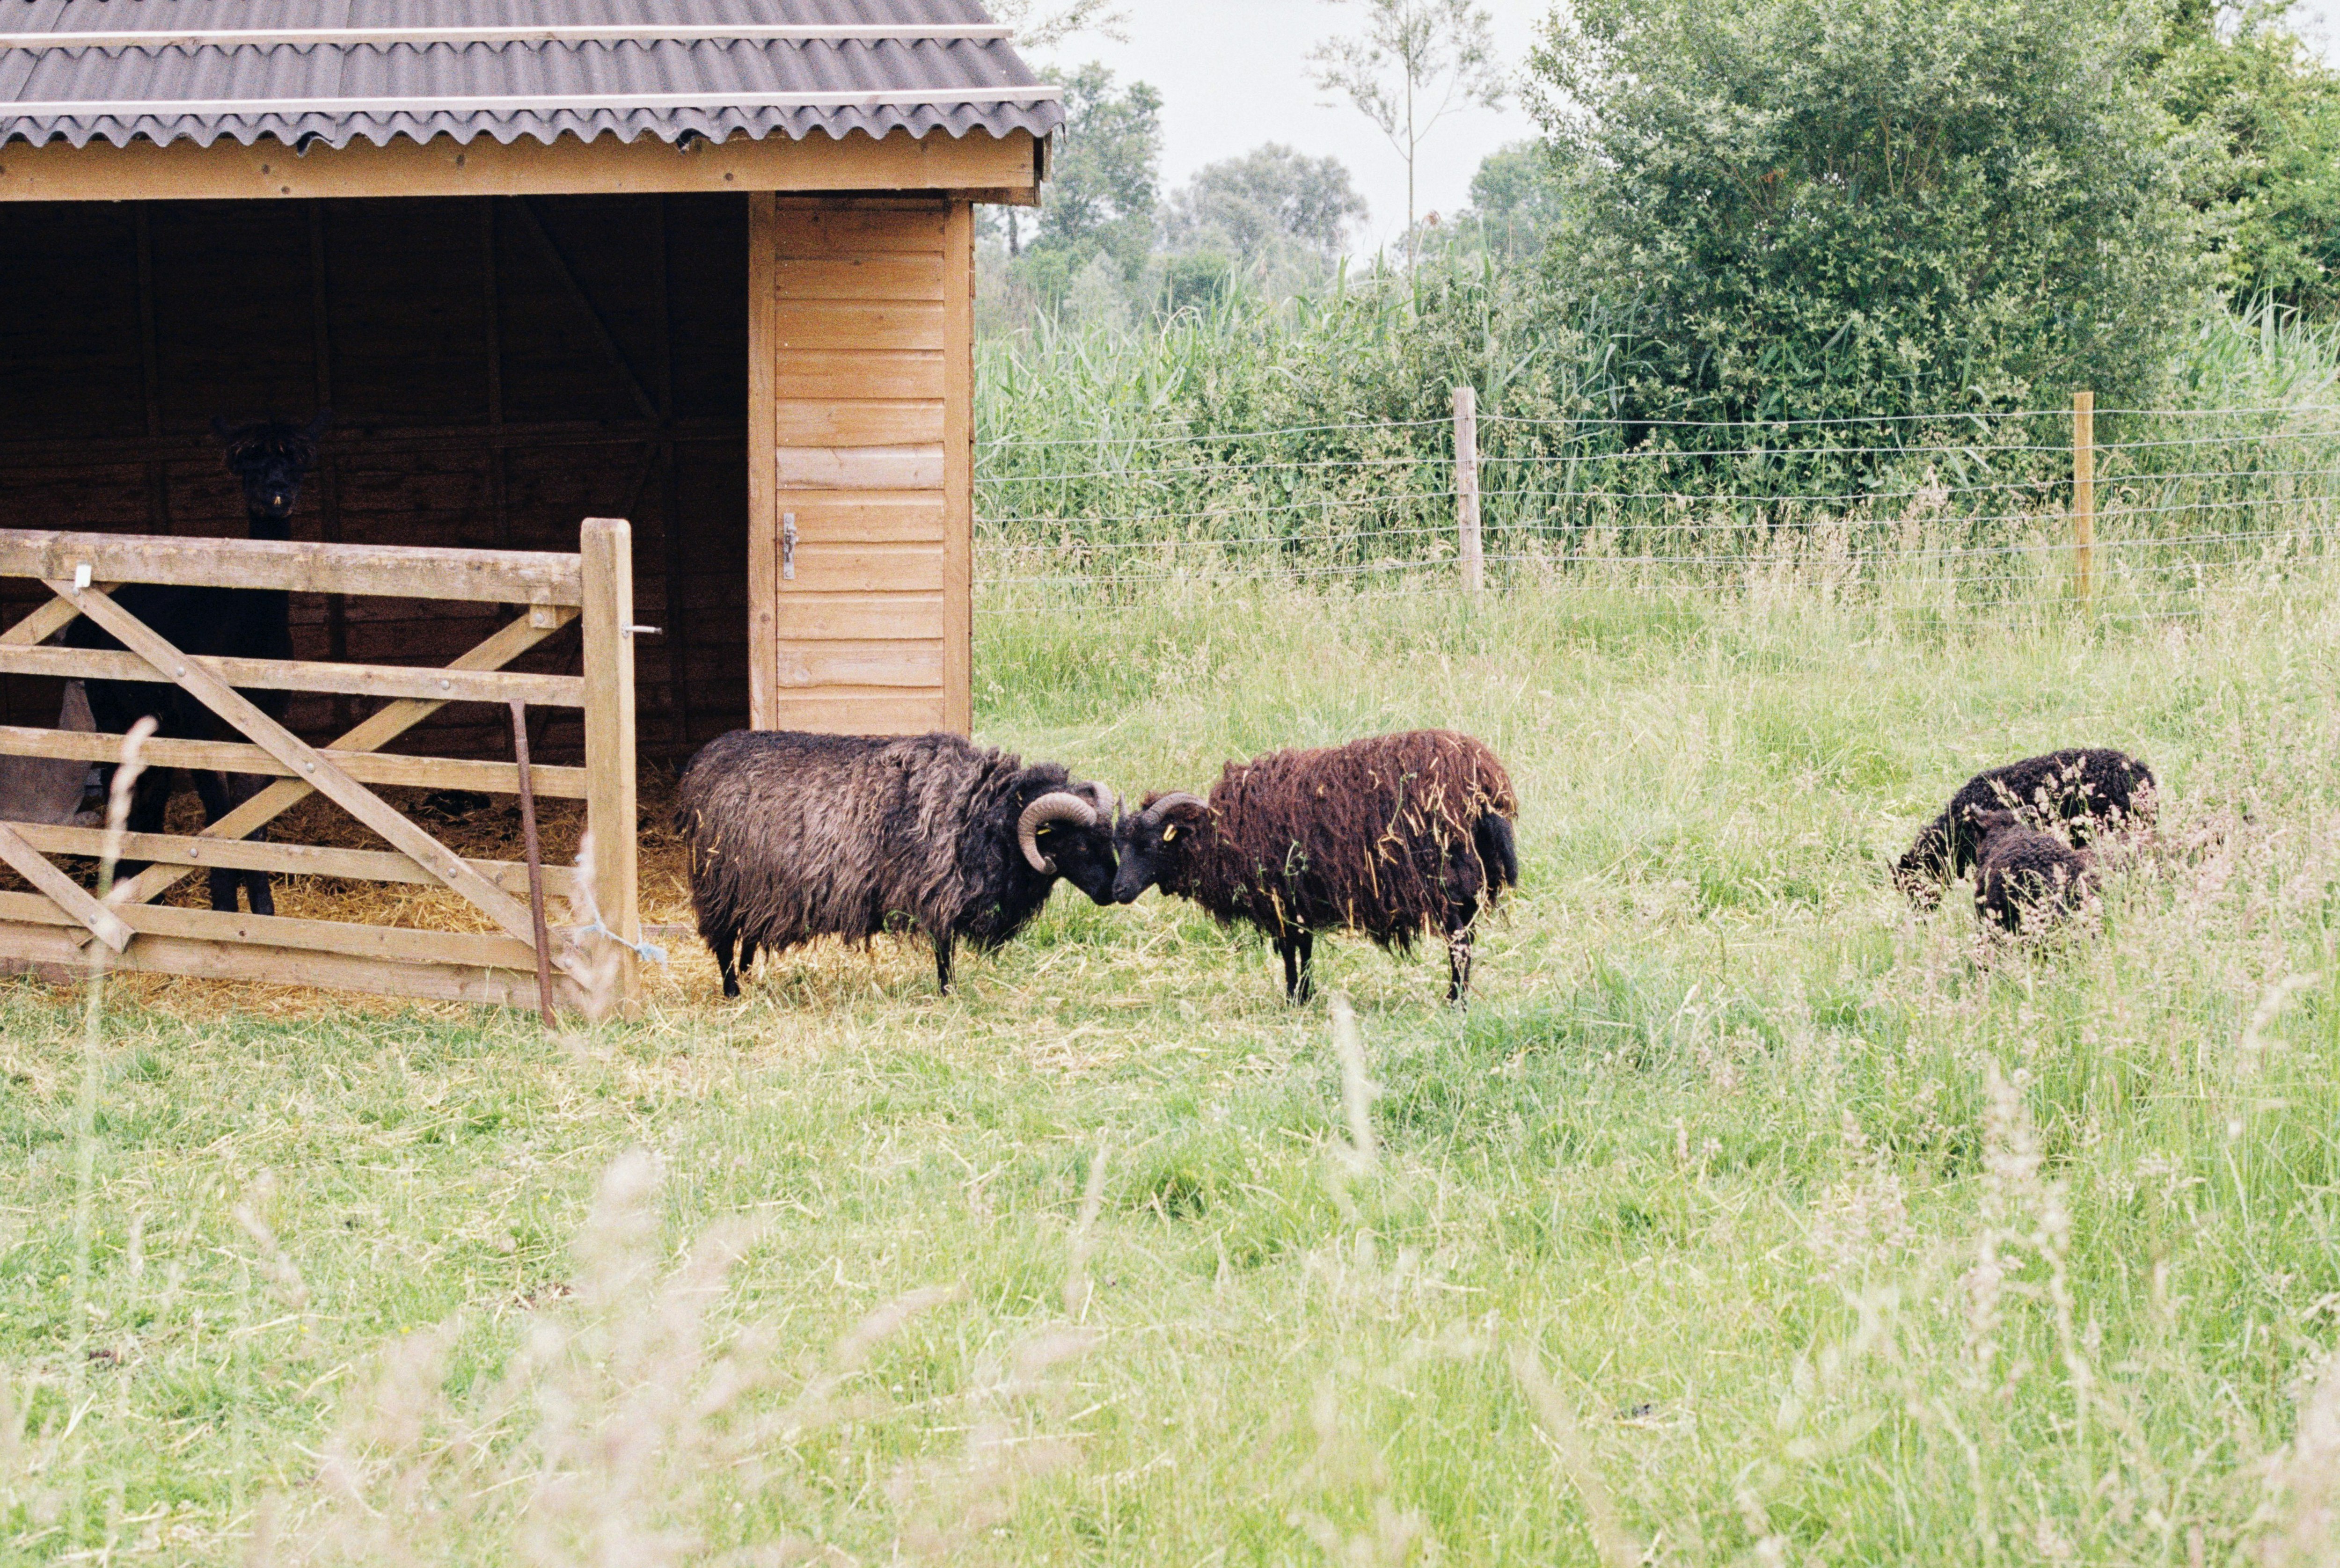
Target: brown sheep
[{"x": 1392, "y": 836}]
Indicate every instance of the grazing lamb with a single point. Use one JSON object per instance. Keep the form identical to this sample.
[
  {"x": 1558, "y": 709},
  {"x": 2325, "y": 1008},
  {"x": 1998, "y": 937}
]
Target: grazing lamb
[
  {"x": 795, "y": 836},
  {"x": 270, "y": 459},
  {"x": 1392, "y": 836},
  {"x": 2019, "y": 869},
  {"x": 2089, "y": 789}
]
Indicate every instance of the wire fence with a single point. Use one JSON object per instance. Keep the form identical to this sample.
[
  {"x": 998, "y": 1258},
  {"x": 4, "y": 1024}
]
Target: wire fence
[{"x": 1964, "y": 512}]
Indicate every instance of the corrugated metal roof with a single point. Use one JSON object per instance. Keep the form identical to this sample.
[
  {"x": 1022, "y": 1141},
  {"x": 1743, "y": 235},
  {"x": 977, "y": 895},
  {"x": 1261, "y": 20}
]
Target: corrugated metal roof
[{"x": 322, "y": 72}]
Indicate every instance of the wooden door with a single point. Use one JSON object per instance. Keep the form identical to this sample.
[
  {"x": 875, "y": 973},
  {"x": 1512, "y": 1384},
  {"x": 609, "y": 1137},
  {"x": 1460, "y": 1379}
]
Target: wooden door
[{"x": 861, "y": 464}]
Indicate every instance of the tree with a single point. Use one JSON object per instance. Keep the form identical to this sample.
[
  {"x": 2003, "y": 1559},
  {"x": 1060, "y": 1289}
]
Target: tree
[
  {"x": 1859, "y": 207},
  {"x": 1515, "y": 199},
  {"x": 1102, "y": 195},
  {"x": 2263, "y": 119},
  {"x": 1266, "y": 205},
  {"x": 1417, "y": 62},
  {"x": 1039, "y": 25}
]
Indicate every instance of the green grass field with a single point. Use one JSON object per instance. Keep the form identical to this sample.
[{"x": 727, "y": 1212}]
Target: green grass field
[{"x": 1748, "y": 1217}]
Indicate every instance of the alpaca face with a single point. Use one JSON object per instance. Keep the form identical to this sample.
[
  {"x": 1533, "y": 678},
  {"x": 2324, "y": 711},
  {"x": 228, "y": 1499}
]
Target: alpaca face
[{"x": 272, "y": 458}]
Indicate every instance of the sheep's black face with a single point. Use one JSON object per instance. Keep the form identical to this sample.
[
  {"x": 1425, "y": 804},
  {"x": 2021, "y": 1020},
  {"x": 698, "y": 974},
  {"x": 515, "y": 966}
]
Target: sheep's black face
[
  {"x": 1083, "y": 855},
  {"x": 1152, "y": 843},
  {"x": 270, "y": 460}
]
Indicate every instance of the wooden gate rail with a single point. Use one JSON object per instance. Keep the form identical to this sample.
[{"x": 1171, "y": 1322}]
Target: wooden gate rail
[
  {"x": 294, "y": 675},
  {"x": 54, "y": 923},
  {"x": 283, "y": 860},
  {"x": 366, "y": 570},
  {"x": 234, "y": 756}
]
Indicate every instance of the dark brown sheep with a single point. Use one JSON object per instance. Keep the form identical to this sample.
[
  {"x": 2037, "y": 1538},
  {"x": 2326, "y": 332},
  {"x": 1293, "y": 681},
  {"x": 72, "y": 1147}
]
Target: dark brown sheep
[
  {"x": 794, "y": 836},
  {"x": 1392, "y": 836},
  {"x": 2089, "y": 789},
  {"x": 2021, "y": 871}
]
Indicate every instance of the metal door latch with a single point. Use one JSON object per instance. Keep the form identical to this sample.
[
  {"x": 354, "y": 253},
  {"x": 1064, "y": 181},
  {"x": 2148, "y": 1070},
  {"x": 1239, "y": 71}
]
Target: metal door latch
[{"x": 789, "y": 546}]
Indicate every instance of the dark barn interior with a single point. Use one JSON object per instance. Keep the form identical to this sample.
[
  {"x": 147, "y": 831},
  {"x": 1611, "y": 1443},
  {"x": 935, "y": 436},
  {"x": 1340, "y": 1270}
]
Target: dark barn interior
[{"x": 499, "y": 369}]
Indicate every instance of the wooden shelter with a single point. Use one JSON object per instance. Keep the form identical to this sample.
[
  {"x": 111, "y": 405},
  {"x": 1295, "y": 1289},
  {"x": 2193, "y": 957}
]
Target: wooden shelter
[{"x": 705, "y": 266}]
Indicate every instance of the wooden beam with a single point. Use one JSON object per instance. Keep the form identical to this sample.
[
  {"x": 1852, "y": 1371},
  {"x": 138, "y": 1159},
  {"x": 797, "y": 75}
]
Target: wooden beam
[
  {"x": 281, "y": 859},
  {"x": 403, "y": 943},
  {"x": 214, "y": 960},
  {"x": 59, "y": 892},
  {"x": 959, "y": 471},
  {"x": 389, "y": 572},
  {"x": 268, "y": 171},
  {"x": 866, "y": 467},
  {"x": 763, "y": 474},
  {"x": 298, "y": 675},
  {"x": 607, "y": 547},
  {"x": 52, "y": 617},
  {"x": 233, "y": 757}
]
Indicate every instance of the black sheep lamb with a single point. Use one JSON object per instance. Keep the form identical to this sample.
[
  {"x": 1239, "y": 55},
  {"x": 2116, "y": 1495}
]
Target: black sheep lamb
[
  {"x": 2092, "y": 790},
  {"x": 2021, "y": 871}
]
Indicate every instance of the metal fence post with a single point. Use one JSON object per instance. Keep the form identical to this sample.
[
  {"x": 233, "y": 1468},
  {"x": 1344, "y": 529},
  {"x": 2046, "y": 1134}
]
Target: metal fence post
[
  {"x": 1466, "y": 488},
  {"x": 2084, "y": 495}
]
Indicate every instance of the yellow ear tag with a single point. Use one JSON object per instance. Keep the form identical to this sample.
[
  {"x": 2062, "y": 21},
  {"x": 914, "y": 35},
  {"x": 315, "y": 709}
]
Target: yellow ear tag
[{"x": 1170, "y": 832}]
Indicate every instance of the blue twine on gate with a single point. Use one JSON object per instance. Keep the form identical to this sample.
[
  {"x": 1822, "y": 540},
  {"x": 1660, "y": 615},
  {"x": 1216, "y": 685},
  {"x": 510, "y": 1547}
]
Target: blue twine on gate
[{"x": 650, "y": 952}]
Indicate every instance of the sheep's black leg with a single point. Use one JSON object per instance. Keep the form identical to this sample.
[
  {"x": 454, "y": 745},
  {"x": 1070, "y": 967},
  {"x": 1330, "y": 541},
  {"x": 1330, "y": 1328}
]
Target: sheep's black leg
[
  {"x": 212, "y": 789},
  {"x": 1299, "y": 951},
  {"x": 747, "y": 955},
  {"x": 943, "y": 941},
  {"x": 1458, "y": 967},
  {"x": 720, "y": 943},
  {"x": 241, "y": 788}
]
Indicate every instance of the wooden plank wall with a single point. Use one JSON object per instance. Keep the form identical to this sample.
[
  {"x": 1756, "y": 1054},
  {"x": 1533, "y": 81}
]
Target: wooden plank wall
[
  {"x": 501, "y": 368},
  {"x": 863, "y": 311}
]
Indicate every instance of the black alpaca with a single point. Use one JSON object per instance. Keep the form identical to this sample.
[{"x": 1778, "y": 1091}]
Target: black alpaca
[{"x": 270, "y": 459}]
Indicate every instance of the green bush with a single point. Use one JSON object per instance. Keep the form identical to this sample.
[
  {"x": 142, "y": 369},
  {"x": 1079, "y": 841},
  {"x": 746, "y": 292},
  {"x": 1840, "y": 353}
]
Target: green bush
[{"x": 1859, "y": 207}]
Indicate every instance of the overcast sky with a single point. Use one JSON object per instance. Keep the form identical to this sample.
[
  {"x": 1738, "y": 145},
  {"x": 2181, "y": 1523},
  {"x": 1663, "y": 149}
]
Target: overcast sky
[
  {"x": 1234, "y": 73},
  {"x": 2320, "y": 21}
]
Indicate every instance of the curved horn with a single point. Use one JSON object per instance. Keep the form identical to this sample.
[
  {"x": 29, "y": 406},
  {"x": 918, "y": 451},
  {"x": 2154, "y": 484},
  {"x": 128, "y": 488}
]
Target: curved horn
[
  {"x": 1057, "y": 806},
  {"x": 1106, "y": 800},
  {"x": 1175, "y": 797}
]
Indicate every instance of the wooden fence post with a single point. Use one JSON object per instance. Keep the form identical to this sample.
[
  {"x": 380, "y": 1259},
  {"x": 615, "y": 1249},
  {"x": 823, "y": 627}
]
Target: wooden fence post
[
  {"x": 1466, "y": 487},
  {"x": 2084, "y": 495},
  {"x": 607, "y": 546}
]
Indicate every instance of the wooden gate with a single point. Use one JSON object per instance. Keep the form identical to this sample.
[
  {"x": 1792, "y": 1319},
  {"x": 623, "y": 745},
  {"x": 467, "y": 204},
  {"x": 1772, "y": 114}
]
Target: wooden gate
[{"x": 55, "y": 924}]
